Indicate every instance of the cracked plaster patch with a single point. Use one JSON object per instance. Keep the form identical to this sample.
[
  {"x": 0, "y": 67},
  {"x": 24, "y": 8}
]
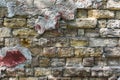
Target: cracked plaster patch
[{"x": 51, "y": 13}]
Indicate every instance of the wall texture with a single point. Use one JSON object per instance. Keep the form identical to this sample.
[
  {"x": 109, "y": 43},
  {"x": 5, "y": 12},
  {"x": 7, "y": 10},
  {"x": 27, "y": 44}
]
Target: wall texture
[{"x": 85, "y": 44}]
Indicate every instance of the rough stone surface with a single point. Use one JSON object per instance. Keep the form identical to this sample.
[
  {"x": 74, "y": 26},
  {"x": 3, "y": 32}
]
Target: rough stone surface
[
  {"x": 88, "y": 62},
  {"x": 65, "y": 52},
  {"x": 3, "y": 11},
  {"x": 112, "y": 52},
  {"x": 44, "y": 62},
  {"x": 113, "y": 4},
  {"x": 58, "y": 62},
  {"x": 67, "y": 39},
  {"x": 117, "y": 15},
  {"x": 88, "y": 52},
  {"x": 84, "y": 23},
  {"x": 15, "y": 22},
  {"x": 73, "y": 71},
  {"x": 5, "y": 32},
  {"x": 24, "y": 32},
  {"x": 49, "y": 52},
  {"x": 105, "y": 32},
  {"x": 102, "y": 23},
  {"x": 101, "y": 14},
  {"x": 11, "y": 42},
  {"x": 113, "y": 24},
  {"x": 78, "y": 42},
  {"x": 96, "y": 42},
  {"x": 42, "y": 71},
  {"x": 74, "y": 62}
]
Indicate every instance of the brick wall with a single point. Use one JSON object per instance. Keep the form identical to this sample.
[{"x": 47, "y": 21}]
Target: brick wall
[{"x": 85, "y": 45}]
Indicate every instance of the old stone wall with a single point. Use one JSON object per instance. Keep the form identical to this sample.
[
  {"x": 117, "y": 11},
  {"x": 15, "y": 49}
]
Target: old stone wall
[{"x": 85, "y": 44}]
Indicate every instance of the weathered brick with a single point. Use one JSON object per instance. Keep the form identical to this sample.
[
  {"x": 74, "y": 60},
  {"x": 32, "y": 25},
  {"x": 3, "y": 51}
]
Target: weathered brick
[
  {"x": 100, "y": 61},
  {"x": 112, "y": 51},
  {"x": 35, "y": 50},
  {"x": 57, "y": 72},
  {"x": 97, "y": 42},
  {"x": 117, "y": 15},
  {"x": 88, "y": 62},
  {"x": 42, "y": 71},
  {"x": 44, "y": 62},
  {"x": 70, "y": 32},
  {"x": 113, "y": 24},
  {"x": 81, "y": 13},
  {"x": 113, "y": 61},
  {"x": 65, "y": 52},
  {"x": 5, "y": 32},
  {"x": 57, "y": 62},
  {"x": 113, "y": 4},
  {"x": 60, "y": 42},
  {"x": 88, "y": 52},
  {"x": 11, "y": 41},
  {"x": 78, "y": 42},
  {"x": 92, "y": 33},
  {"x": 3, "y": 11},
  {"x": 15, "y": 22},
  {"x": 101, "y": 71},
  {"x": 15, "y": 73},
  {"x": 101, "y": 14},
  {"x": 49, "y": 52},
  {"x": 84, "y": 23},
  {"x": 74, "y": 62},
  {"x": 40, "y": 42},
  {"x": 105, "y": 32},
  {"x": 77, "y": 71},
  {"x": 53, "y": 33},
  {"x": 81, "y": 32},
  {"x": 24, "y": 32},
  {"x": 35, "y": 61}
]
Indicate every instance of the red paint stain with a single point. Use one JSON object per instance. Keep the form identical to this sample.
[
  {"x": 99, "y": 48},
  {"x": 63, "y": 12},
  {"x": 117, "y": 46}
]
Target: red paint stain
[{"x": 12, "y": 58}]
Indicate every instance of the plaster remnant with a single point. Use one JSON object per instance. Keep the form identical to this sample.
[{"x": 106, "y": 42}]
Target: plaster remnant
[{"x": 13, "y": 57}]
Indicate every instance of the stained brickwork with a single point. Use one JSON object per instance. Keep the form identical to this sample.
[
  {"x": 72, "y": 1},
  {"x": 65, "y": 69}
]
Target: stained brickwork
[{"x": 68, "y": 39}]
